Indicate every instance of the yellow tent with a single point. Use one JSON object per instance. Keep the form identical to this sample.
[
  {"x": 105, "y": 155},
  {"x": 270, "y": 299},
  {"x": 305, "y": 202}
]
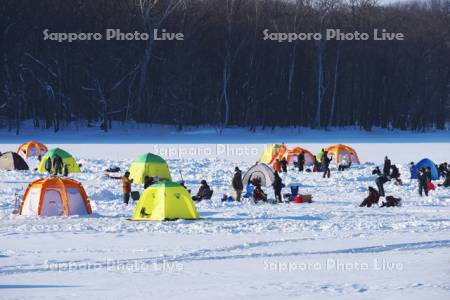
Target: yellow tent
[
  {"x": 66, "y": 157},
  {"x": 149, "y": 165},
  {"x": 272, "y": 152},
  {"x": 165, "y": 201}
]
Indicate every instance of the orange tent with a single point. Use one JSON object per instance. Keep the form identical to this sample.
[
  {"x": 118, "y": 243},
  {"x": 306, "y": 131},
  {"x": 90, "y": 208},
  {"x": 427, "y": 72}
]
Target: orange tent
[
  {"x": 32, "y": 148},
  {"x": 55, "y": 197},
  {"x": 339, "y": 151},
  {"x": 292, "y": 154}
]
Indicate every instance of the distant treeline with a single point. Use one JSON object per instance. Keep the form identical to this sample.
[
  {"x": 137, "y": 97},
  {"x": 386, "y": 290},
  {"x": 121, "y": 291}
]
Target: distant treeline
[{"x": 224, "y": 73}]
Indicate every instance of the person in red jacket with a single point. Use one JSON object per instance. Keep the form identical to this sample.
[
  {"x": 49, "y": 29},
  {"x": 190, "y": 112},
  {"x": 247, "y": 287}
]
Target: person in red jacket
[{"x": 277, "y": 165}]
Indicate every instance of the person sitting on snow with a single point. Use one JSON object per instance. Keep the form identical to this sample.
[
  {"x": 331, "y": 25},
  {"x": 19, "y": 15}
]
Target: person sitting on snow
[
  {"x": 345, "y": 163},
  {"x": 258, "y": 194},
  {"x": 316, "y": 165},
  {"x": 372, "y": 199},
  {"x": 446, "y": 182},
  {"x": 442, "y": 168},
  {"x": 148, "y": 181},
  {"x": 204, "y": 192},
  {"x": 391, "y": 202}
]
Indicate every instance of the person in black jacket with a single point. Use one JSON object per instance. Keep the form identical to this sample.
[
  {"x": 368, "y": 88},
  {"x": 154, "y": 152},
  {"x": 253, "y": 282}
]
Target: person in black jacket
[
  {"x": 443, "y": 170},
  {"x": 446, "y": 182},
  {"x": 380, "y": 181},
  {"x": 237, "y": 183},
  {"x": 387, "y": 166},
  {"x": 204, "y": 192},
  {"x": 283, "y": 163},
  {"x": 277, "y": 186},
  {"x": 48, "y": 165},
  {"x": 58, "y": 165},
  {"x": 326, "y": 165},
  {"x": 301, "y": 161},
  {"x": 395, "y": 174},
  {"x": 423, "y": 182},
  {"x": 428, "y": 173},
  {"x": 148, "y": 181},
  {"x": 373, "y": 198}
]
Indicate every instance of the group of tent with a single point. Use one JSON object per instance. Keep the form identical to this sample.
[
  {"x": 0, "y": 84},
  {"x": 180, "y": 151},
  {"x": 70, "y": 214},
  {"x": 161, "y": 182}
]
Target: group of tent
[
  {"x": 165, "y": 200},
  {"x": 279, "y": 151},
  {"x": 57, "y": 196}
]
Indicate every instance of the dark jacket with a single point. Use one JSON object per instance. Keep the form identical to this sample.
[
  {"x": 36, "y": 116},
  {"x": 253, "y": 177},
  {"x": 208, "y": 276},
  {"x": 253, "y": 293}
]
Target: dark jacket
[
  {"x": 423, "y": 179},
  {"x": 383, "y": 179},
  {"x": 237, "y": 181},
  {"x": 258, "y": 193},
  {"x": 428, "y": 175},
  {"x": 325, "y": 161},
  {"x": 387, "y": 167},
  {"x": 395, "y": 173},
  {"x": 301, "y": 158},
  {"x": 373, "y": 198},
  {"x": 57, "y": 162},
  {"x": 48, "y": 164},
  {"x": 204, "y": 191},
  {"x": 278, "y": 183},
  {"x": 283, "y": 164},
  {"x": 148, "y": 182}
]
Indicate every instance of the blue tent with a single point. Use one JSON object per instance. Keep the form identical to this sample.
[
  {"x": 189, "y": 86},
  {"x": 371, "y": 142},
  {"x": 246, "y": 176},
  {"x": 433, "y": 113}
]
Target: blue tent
[{"x": 425, "y": 163}]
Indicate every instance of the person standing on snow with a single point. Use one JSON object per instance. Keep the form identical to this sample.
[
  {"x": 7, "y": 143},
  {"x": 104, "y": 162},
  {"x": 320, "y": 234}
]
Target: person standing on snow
[
  {"x": 423, "y": 182},
  {"x": 380, "y": 181},
  {"x": 320, "y": 154},
  {"x": 126, "y": 187},
  {"x": 66, "y": 170},
  {"x": 277, "y": 165},
  {"x": 283, "y": 164},
  {"x": 326, "y": 165},
  {"x": 387, "y": 166},
  {"x": 237, "y": 183},
  {"x": 58, "y": 164},
  {"x": 48, "y": 165},
  {"x": 277, "y": 186},
  {"x": 301, "y": 161}
]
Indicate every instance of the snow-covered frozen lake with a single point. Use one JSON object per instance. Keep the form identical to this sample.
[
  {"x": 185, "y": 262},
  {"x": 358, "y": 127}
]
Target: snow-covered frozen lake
[{"x": 330, "y": 248}]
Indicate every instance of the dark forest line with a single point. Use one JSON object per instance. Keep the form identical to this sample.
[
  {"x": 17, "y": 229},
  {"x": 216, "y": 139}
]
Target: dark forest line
[{"x": 224, "y": 73}]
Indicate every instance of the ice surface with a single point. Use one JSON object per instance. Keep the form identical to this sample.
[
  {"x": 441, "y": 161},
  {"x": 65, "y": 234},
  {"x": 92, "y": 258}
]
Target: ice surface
[{"x": 330, "y": 248}]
